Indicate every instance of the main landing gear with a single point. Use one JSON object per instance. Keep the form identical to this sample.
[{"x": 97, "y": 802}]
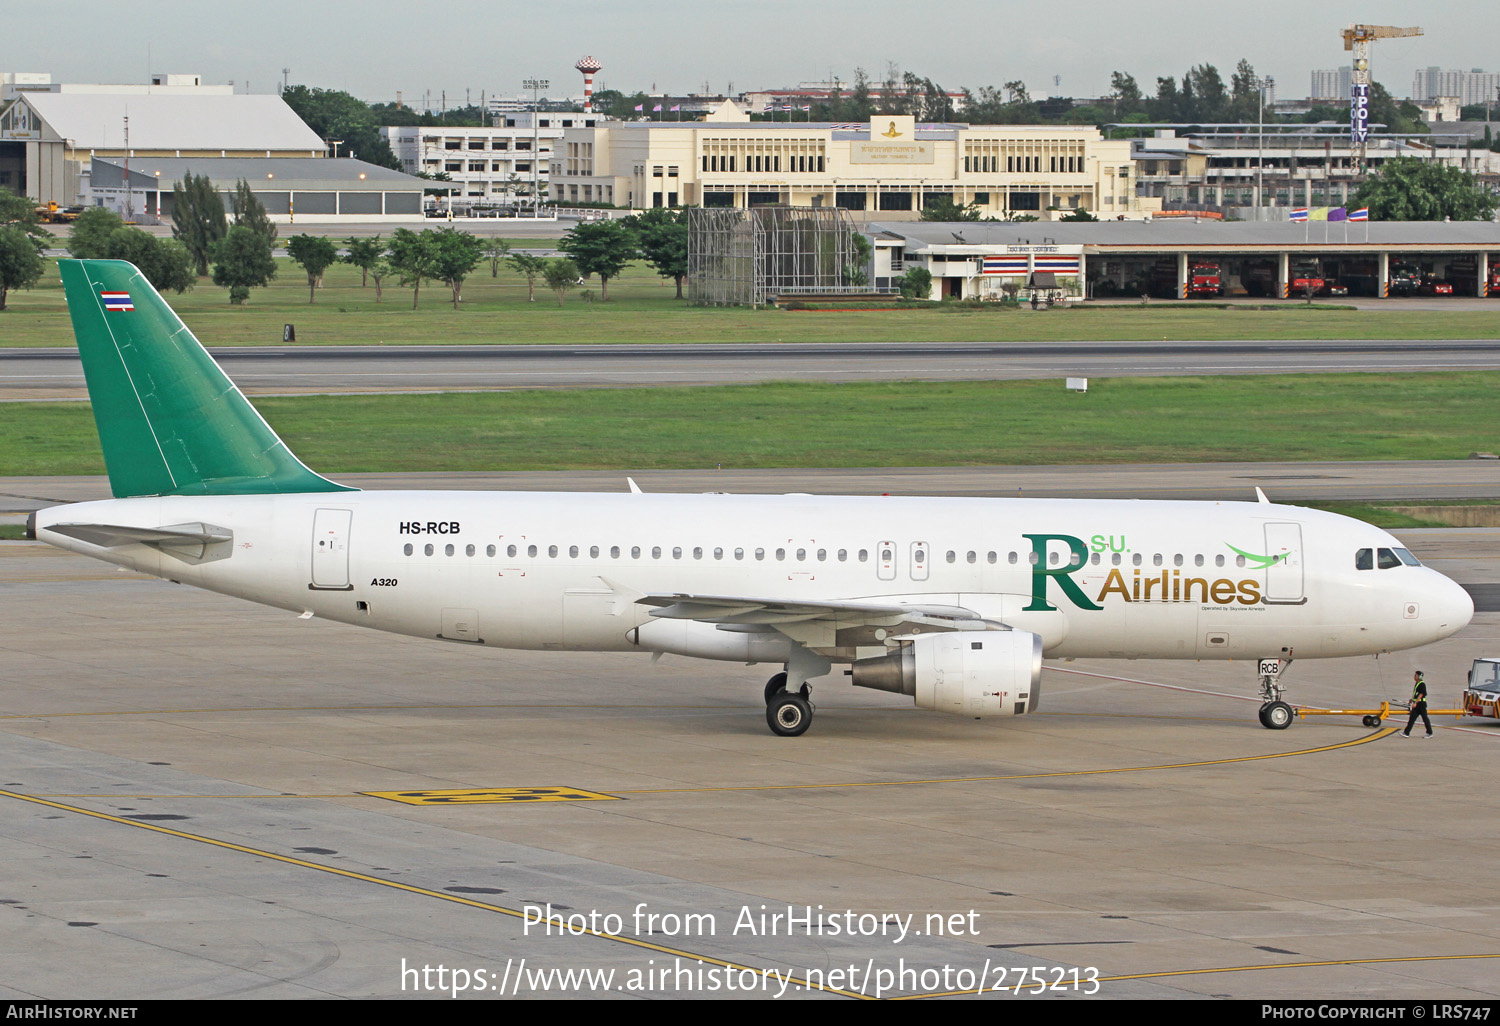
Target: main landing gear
[
  {"x": 788, "y": 713},
  {"x": 1274, "y": 713}
]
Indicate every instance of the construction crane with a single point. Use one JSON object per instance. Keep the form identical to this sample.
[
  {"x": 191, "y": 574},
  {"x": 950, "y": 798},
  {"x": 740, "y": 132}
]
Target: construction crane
[{"x": 1358, "y": 39}]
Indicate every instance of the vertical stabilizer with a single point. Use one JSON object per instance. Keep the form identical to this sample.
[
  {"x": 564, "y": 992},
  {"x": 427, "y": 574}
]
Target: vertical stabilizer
[{"x": 170, "y": 421}]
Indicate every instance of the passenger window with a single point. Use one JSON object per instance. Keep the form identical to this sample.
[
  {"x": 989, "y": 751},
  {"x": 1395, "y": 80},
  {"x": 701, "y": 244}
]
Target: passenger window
[
  {"x": 635, "y": 552},
  {"x": 468, "y": 550},
  {"x": 656, "y": 552},
  {"x": 991, "y": 557},
  {"x": 973, "y": 557},
  {"x": 1156, "y": 559},
  {"x": 614, "y": 552},
  {"x": 1218, "y": 561},
  {"x": 801, "y": 555},
  {"x": 531, "y": 551},
  {"x": 1031, "y": 557},
  {"x": 1012, "y": 557},
  {"x": 593, "y": 552},
  {"x": 1074, "y": 559},
  {"x": 718, "y": 553},
  {"x": 760, "y": 553},
  {"x": 552, "y": 551},
  {"x": 952, "y": 555},
  {"x": 427, "y": 549},
  {"x": 1135, "y": 559},
  {"x": 572, "y": 551},
  {"x": 843, "y": 555},
  {"x": 1239, "y": 560},
  {"x": 1115, "y": 559},
  {"x": 407, "y": 549},
  {"x": 1198, "y": 559},
  {"x": 1177, "y": 559},
  {"x": 448, "y": 549},
  {"x": 780, "y": 555},
  {"x": 510, "y": 550},
  {"x": 1386, "y": 559},
  {"x": 739, "y": 553},
  {"x": 489, "y": 550},
  {"x": 1364, "y": 559},
  {"x": 822, "y": 555},
  {"x": 676, "y": 551},
  {"x": 886, "y": 555},
  {"x": 864, "y": 555},
  {"x": 697, "y": 552}
]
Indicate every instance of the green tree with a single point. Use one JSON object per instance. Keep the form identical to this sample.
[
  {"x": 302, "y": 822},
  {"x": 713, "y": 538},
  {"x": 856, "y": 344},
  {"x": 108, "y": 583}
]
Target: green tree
[
  {"x": 1413, "y": 189},
  {"x": 916, "y": 283},
  {"x": 338, "y": 115},
  {"x": 413, "y": 258},
  {"x": 602, "y": 248},
  {"x": 17, "y": 211},
  {"x": 251, "y": 213},
  {"x": 364, "y": 254},
  {"x": 455, "y": 254},
  {"x": 1127, "y": 95},
  {"x": 1081, "y": 214},
  {"x": 560, "y": 275},
  {"x": 166, "y": 263},
  {"x": 314, "y": 254},
  {"x": 20, "y": 261},
  {"x": 198, "y": 220},
  {"x": 379, "y": 271},
  {"x": 946, "y": 208},
  {"x": 242, "y": 261},
  {"x": 89, "y": 238},
  {"x": 662, "y": 237},
  {"x": 496, "y": 250},
  {"x": 529, "y": 267}
]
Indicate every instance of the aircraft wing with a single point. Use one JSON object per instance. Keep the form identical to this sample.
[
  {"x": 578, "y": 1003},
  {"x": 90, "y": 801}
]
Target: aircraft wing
[{"x": 776, "y": 612}]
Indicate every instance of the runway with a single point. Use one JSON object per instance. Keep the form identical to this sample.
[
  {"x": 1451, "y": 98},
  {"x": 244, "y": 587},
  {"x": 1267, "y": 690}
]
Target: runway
[
  {"x": 56, "y": 373},
  {"x": 190, "y": 786},
  {"x": 208, "y": 798}
]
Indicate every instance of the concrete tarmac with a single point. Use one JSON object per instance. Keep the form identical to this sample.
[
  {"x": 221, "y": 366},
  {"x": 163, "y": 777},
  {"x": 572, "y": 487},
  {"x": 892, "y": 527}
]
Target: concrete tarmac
[{"x": 190, "y": 784}]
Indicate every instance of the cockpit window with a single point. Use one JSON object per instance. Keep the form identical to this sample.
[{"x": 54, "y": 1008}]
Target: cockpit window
[
  {"x": 1387, "y": 559},
  {"x": 1406, "y": 557},
  {"x": 1364, "y": 559}
]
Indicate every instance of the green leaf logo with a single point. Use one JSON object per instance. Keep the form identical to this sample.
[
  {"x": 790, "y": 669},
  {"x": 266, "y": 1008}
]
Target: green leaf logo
[{"x": 1259, "y": 561}]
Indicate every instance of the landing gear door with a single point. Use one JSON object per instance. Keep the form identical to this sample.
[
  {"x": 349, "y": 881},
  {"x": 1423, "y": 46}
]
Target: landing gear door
[
  {"x": 330, "y": 549},
  {"x": 1284, "y": 572}
]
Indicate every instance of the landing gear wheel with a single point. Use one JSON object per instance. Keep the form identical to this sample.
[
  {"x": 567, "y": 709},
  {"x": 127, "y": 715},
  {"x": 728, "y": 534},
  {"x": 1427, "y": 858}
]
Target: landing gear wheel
[
  {"x": 775, "y": 686},
  {"x": 1371, "y": 721},
  {"x": 1276, "y": 716},
  {"x": 789, "y": 715}
]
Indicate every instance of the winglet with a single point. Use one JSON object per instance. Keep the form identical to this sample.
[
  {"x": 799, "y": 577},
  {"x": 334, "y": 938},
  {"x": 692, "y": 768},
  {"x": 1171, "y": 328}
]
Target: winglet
[
  {"x": 1260, "y": 496},
  {"x": 635, "y": 489}
]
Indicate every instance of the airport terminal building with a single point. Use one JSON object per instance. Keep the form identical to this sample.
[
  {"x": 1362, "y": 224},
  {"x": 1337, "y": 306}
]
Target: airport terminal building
[{"x": 889, "y": 168}]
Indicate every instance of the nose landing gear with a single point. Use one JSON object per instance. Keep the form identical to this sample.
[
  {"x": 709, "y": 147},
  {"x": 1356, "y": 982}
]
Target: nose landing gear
[{"x": 1275, "y": 714}]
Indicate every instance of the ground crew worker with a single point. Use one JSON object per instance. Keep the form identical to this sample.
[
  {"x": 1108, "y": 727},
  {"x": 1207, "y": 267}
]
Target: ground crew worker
[{"x": 1418, "y": 705}]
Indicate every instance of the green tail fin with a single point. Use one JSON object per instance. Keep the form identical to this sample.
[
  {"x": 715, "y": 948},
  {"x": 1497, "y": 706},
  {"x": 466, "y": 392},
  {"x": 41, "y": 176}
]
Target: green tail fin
[{"x": 170, "y": 421}]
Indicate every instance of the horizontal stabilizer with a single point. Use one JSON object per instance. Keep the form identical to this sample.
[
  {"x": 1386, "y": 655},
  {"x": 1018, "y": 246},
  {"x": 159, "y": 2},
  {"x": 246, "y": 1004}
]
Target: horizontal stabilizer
[{"x": 192, "y": 543}]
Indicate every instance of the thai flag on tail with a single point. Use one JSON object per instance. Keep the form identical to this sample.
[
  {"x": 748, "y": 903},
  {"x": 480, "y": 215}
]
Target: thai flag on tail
[
  {"x": 117, "y": 301},
  {"x": 1362, "y": 214},
  {"x": 1299, "y": 214}
]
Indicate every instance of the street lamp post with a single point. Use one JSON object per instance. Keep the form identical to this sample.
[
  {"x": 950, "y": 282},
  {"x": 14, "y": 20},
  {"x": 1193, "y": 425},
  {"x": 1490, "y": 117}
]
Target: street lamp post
[{"x": 535, "y": 85}]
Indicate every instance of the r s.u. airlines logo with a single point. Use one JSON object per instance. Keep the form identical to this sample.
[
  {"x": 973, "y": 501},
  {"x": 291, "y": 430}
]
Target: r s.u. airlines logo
[{"x": 1169, "y": 585}]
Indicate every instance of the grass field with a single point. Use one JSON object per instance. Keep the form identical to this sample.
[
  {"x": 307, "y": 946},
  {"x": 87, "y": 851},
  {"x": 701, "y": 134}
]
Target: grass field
[
  {"x": 642, "y": 308},
  {"x": 1148, "y": 420}
]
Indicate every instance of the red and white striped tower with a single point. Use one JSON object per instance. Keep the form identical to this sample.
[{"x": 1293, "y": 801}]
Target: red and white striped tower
[{"x": 588, "y": 66}]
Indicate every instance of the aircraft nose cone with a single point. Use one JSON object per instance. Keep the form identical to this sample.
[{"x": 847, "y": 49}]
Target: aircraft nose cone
[{"x": 1450, "y": 608}]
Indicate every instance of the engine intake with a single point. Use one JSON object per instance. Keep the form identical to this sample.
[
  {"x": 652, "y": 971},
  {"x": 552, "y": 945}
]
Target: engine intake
[{"x": 970, "y": 673}]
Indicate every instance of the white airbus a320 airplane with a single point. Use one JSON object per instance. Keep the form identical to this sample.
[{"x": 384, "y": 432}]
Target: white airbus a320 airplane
[{"x": 954, "y": 602}]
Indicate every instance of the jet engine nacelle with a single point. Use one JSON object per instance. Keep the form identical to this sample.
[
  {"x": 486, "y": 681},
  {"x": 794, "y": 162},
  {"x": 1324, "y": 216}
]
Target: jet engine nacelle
[{"x": 971, "y": 673}]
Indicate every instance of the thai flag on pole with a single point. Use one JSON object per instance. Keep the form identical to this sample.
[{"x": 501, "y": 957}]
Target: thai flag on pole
[
  {"x": 117, "y": 301},
  {"x": 676, "y": 106},
  {"x": 1299, "y": 214},
  {"x": 640, "y": 106},
  {"x": 1362, "y": 214},
  {"x": 657, "y": 108}
]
